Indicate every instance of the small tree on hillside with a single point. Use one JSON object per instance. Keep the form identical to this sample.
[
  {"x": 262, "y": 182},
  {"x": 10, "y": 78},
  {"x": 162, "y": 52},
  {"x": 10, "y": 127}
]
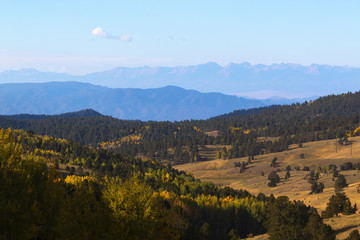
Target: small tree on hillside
[
  {"x": 311, "y": 177},
  {"x": 273, "y": 162},
  {"x": 354, "y": 235},
  {"x": 242, "y": 167},
  {"x": 317, "y": 187},
  {"x": 348, "y": 209},
  {"x": 305, "y": 168},
  {"x": 274, "y": 179},
  {"x": 340, "y": 183},
  {"x": 287, "y": 175},
  {"x": 338, "y": 203}
]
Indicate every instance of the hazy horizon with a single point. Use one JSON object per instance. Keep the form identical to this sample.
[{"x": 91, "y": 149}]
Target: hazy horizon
[{"x": 174, "y": 66}]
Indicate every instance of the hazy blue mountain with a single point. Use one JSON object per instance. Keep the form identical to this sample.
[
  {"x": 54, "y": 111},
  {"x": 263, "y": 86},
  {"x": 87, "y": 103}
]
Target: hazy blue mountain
[
  {"x": 167, "y": 103},
  {"x": 283, "y": 80}
]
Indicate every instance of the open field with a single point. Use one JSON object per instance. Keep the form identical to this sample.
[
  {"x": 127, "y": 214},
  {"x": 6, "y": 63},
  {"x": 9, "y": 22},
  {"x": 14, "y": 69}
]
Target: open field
[
  {"x": 315, "y": 154},
  {"x": 209, "y": 153}
]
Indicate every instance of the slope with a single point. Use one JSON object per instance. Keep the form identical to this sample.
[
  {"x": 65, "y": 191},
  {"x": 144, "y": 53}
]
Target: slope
[{"x": 315, "y": 155}]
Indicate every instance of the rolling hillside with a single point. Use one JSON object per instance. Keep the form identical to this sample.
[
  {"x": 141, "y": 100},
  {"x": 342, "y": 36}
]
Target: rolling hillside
[{"x": 315, "y": 154}]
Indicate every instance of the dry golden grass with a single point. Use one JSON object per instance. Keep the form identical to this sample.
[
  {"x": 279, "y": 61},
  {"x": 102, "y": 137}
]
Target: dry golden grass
[
  {"x": 264, "y": 139},
  {"x": 259, "y": 237},
  {"x": 210, "y": 151},
  {"x": 316, "y": 154},
  {"x": 213, "y": 133},
  {"x": 343, "y": 225}
]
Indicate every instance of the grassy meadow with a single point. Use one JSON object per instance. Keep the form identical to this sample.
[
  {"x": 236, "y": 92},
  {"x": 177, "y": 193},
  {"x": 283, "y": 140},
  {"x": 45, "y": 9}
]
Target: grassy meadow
[{"x": 312, "y": 154}]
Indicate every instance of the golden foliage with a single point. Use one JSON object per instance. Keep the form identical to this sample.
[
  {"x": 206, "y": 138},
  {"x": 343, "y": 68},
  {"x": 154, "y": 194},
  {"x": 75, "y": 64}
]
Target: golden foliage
[{"x": 78, "y": 180}]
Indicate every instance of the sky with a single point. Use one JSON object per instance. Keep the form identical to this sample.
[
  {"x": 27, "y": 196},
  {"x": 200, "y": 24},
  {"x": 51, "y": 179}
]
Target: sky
[{"x": 85, "y": 36}]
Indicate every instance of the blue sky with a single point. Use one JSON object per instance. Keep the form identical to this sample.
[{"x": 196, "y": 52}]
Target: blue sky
[{"x": 84, "y": 36}]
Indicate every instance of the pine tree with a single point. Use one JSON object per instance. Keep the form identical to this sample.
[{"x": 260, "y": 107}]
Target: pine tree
[
  {"x": 354, "y": 235},
  {"x": 243, "y": 167},
  {"x": 273, "y": 178},
  {"x": 287, "y": 175},
  {"x": 340, "y": 183}
]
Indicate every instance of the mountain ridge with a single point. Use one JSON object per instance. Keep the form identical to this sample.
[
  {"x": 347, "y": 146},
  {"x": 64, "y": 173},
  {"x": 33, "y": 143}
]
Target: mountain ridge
[
  {"x": 284, "y": 80},
  {"x": 167, "y": 103},
  {"x": 82, "y": 113}
]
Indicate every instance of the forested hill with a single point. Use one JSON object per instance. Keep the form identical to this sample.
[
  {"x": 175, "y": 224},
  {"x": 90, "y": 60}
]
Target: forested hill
[
  {"x": 82, "y": 113},
  {"x": 331, "y": 116},
  {"x": 332, "y": 106},
  {"x": 336, "y": 116}
]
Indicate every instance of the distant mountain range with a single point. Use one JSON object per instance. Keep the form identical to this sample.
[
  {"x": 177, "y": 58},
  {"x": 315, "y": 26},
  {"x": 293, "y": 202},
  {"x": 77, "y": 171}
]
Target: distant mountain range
[
  {"x": 259, "y": 81},
  {"x": 167, "y": 103}
]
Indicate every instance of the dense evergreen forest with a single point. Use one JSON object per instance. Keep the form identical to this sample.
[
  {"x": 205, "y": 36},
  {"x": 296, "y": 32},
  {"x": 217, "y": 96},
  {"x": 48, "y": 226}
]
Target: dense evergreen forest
[{"x": 336, "y": 116}]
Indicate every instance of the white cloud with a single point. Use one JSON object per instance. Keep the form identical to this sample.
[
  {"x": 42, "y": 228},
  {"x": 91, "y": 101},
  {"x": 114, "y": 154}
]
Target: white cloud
[
  {"x": 103, "y": 34},
  {"x": 100, "y": 32}
]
